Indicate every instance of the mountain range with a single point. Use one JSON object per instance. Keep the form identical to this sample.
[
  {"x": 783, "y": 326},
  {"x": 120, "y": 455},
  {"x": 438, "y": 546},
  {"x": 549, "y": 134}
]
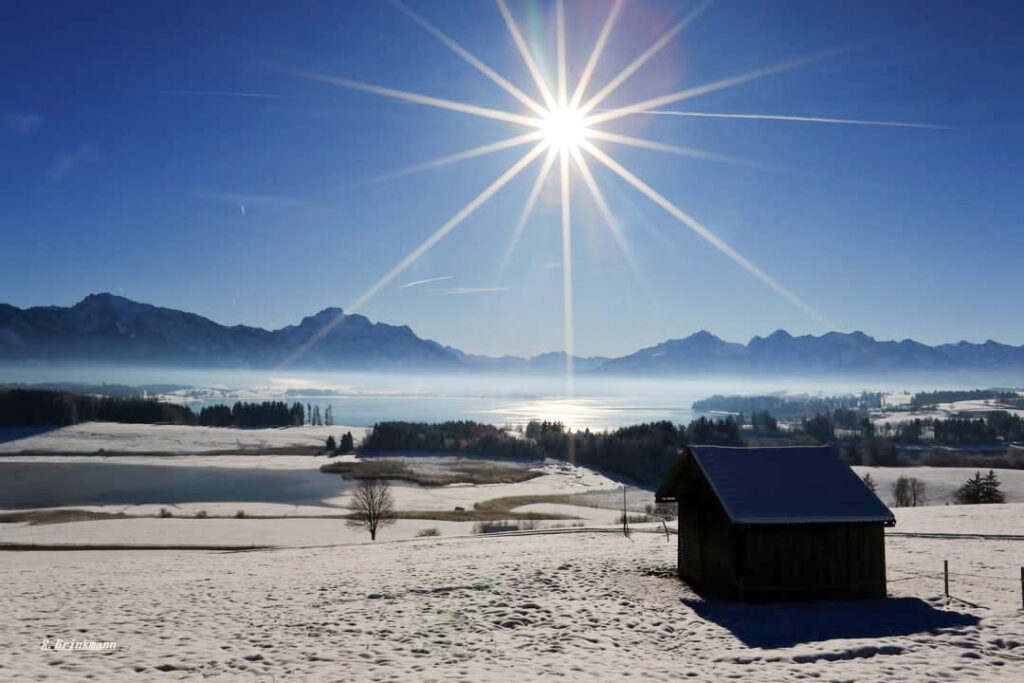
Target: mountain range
[{"x": 109, "y": 329}]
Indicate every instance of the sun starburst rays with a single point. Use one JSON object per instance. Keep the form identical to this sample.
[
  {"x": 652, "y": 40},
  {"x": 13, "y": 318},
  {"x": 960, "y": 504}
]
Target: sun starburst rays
[
  {"x": 635, "y": 65},
  {"x": 524, "y": 216},
  {"x": 569, "y": 131},
  {"x": 567, "y": 307}
]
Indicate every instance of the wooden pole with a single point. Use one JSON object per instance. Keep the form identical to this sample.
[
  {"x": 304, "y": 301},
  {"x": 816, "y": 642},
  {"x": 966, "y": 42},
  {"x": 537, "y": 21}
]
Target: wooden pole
[
  {"x": 1022, "y": 587},
  {"x": 625, "y": 519},
  {"x": 945, "y": 572}
]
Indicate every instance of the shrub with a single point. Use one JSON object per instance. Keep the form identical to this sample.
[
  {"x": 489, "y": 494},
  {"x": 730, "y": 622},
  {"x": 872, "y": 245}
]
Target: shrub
[
  {"x": 633, "y": 519},
  {"x": 164, "y": 513},
  {"x": 663, "y": 511},
  {"x": 432, "y": 531},
  {"x": 240, "y": 514},
  {"x": 201, "y": 514}
]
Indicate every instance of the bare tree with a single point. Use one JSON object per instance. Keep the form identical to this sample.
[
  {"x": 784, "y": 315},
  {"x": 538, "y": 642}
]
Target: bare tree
[
  {"x": 909, "y": 492},
  {"x": 372, "y": 506},
  {"x": 901, "y": 492},
  {"x": 917, "y": 492}
]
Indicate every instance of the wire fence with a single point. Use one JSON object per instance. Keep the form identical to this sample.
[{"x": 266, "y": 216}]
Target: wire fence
[{"x": 973, "y": 579}]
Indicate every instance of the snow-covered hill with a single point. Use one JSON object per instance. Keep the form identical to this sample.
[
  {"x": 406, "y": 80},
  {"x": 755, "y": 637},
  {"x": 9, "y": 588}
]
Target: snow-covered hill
[{"x": 579, "y": 606}]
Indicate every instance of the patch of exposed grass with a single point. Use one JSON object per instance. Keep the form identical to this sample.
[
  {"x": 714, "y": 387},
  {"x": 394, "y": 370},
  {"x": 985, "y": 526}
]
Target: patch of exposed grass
[
  {"x": 456, "y": 473},
  {"x": 507, "y": 503},
  {"x": 57, "y": 516}
]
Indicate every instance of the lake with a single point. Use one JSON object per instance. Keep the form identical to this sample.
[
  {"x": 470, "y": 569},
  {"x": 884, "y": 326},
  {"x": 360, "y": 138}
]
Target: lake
[
  {"x": 363, "y": 398},
  {"x": 50, "y": 484}
]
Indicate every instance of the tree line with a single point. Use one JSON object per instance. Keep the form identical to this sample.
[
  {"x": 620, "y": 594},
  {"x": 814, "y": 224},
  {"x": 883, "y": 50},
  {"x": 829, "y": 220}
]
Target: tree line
[
  {"x": 31, "y": 407},
  {"x": 859, "y": 442},
  {"x": 46, "y": 407},
  {"x": 643, "y": 452},
  {"x": 787, "y": 406},
  {"x": 928, "y": 398},
  {"x": 244, "y": 414},
  {"x": 959, "y": 431}
]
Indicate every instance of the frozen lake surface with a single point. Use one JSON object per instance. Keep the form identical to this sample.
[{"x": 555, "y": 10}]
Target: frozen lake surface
[{"x": 51, "y": 484}]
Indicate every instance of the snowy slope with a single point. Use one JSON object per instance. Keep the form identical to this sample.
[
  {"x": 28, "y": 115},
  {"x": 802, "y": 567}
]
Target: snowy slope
[{"x": 575, "y": 607}]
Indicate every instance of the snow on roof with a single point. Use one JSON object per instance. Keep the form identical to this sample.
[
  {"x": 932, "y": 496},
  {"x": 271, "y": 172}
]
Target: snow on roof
[{"x": 788, "y": 485}]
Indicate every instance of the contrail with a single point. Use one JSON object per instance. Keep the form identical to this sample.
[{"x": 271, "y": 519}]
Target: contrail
[
  {"x": 671, "y": 149},
  {"x": 657, "y": 102},
  {"x": 416, "y": 283},
  {"x": 454, "y": 221},
  {"x": 808, "y": 119}
]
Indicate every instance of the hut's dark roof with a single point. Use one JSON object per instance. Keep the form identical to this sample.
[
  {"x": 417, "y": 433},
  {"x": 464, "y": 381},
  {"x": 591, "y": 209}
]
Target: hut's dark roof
[{"x": 788, "y": 485}]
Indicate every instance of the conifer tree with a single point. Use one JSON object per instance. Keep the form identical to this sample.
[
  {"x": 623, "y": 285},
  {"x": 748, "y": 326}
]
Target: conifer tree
[
  {"x": 346, "y": 443},
  {"x": 990, "y": 492},
  {"x": 970, "y": 492}
]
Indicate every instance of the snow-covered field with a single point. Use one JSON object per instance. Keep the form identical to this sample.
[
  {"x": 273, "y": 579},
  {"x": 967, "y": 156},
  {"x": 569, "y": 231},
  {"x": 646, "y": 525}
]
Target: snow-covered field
[
  {"x": 941, "y": 411},
  {"x": 290, "y": 526},
  {"x": 941, "y": 483},
  {"x": 326, "y": 604},
  {"x": 576, "y": 606},
  {"x": 112, "y": 437}
]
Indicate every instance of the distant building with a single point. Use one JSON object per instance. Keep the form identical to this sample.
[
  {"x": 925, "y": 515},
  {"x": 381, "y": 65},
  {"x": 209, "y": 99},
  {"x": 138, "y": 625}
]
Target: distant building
[{"x": 761, "y": 524}]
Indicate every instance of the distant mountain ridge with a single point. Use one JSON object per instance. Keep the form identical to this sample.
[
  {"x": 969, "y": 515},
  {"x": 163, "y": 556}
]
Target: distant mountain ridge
[
  {"x": 835, "y": 352},
  {"x": 112, "y": 329},
  {"x": 105, "y": 328}
]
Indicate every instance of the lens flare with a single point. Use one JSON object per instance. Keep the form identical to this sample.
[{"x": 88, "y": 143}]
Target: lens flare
[{"x": 566, "y": 129}]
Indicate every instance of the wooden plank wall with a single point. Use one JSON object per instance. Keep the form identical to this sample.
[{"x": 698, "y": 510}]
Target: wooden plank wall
[{"x": 813, "y": 560}]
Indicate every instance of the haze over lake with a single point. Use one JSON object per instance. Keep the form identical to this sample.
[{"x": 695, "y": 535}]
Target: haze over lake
[{"x": 591, "y": 401}]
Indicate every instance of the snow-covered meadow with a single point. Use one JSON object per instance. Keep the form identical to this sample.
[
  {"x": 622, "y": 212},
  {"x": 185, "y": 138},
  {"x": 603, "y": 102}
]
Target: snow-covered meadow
[
  {"x": 575, "y": 606},
  {"x": 324, "y": 603},
  {"x": 939, "y": 411},
  {"x": 941, "y": 482},
  {"x": 115, "y": 438}
]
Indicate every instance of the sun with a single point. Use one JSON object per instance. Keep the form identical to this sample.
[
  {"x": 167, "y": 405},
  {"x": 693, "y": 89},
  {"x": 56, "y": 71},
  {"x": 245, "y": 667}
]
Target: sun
[
  {"x": 566, "y": 125},
  {"x": 564, "y": 128}
]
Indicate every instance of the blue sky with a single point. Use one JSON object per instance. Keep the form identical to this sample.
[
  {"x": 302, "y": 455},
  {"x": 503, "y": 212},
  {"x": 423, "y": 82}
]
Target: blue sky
[{"x": 133, "y": 134}]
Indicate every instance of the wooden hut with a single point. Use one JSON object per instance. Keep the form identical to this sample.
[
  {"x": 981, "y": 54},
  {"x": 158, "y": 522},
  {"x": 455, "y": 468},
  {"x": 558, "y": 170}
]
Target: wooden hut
[{"x": 789, "y": 523}]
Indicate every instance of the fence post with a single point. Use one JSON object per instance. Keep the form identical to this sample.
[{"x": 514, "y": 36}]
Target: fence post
[
  {"x": 1022, "y": 587},
  {"x": 625, "y": 514},
  {"x": 945, "y": 573}
]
